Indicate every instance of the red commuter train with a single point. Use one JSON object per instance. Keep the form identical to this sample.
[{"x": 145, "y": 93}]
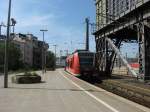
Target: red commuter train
[{"x": 80, "y": 63}]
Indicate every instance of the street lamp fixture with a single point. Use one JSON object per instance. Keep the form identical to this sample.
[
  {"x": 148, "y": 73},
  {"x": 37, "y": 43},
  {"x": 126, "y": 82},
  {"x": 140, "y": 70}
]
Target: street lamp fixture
[
  {"x": 43, "y": 30},
  {"x": 13, "y": 23},
  {"x": 43, "y": 53}
]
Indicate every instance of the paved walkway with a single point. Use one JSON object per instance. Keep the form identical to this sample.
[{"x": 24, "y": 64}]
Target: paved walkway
[{"x": 62, "y": 93}]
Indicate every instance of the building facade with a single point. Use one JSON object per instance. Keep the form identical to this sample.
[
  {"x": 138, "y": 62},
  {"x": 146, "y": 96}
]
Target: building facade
[
  {"x": 31, "y": 49},
  {"x": 25, "y": 44},
  {"x": 109, "y": 10},
  {"x": 100, "y": 13}
]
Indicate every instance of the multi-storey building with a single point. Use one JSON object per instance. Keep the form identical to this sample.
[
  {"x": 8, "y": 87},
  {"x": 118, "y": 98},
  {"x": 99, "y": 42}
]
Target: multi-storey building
[
  {"x": 109, "y": 10},
  {"x": 31, "y": 49},
  {"x": 25, "y": 44},
  {"x": 101, "y": 13}
]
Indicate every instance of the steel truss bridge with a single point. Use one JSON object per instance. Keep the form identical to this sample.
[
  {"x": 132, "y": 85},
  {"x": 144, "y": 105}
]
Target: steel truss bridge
[{"x": 132, "y": 25}]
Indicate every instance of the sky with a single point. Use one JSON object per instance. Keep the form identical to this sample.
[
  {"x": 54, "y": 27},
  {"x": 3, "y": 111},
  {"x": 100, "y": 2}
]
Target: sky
[{"x": 64, "y": 20}]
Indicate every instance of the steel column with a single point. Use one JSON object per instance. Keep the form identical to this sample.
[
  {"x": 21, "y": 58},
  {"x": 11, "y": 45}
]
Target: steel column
[{"x": 141, "y": 41}]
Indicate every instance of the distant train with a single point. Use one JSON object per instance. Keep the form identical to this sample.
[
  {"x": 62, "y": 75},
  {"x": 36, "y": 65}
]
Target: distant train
[{"x": 80, "y": 63}]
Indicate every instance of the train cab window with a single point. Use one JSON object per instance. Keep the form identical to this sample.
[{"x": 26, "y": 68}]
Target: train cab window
[{"x": 86, "y": 59}]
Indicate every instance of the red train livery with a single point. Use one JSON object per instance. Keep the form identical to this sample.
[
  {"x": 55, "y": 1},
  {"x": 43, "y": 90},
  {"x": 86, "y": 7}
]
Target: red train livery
[{"x": 80, "y": 63}]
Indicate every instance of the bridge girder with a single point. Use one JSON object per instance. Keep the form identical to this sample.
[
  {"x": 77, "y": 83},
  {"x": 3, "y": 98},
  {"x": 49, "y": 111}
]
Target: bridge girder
[{"x": 135, "y": 27}]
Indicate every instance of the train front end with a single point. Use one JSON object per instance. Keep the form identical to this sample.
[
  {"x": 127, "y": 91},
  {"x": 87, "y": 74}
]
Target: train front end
[
  {"x": 80, "y": 63},
  {"x": 86, "y": 61}
]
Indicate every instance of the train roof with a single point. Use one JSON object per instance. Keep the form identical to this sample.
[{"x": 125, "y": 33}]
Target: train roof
[
  {"x": 78, "y": 51},
  {"x": 82, "y": 51}
]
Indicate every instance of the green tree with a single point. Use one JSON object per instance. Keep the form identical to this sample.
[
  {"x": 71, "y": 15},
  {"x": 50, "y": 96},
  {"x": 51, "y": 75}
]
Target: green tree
[
  {"x": 50, "y": 60},
  {"x": 14, "y": 58}
]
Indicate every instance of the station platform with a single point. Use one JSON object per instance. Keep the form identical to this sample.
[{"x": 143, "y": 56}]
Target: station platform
[{"x": 62, "y": 92}]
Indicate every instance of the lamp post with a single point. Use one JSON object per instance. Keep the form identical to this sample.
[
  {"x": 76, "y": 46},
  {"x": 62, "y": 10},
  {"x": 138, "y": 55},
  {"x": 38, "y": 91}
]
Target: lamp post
[
  {"x": 87, "y": 34},
  {"x": 43, "y": 53},
  {"x": 0, "y": 30},
  {"x": 61, "y": 51},
  {"x": 6, "y": 48}
]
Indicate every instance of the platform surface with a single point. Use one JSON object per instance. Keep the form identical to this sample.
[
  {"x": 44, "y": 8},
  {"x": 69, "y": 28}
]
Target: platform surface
[{"x": 62, "y": 92}]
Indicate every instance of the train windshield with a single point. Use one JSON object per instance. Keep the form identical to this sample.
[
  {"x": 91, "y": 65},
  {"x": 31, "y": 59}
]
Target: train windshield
[{"x": 86, "y": 59}]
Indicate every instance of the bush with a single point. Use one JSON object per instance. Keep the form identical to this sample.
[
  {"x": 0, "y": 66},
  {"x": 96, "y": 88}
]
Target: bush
[{"x": 27, "y": 78}]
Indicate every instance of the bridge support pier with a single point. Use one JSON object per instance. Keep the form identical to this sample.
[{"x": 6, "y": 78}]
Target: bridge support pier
[
  {"x": 144, "y": 51},
  {"x": 101, "y": 55}
]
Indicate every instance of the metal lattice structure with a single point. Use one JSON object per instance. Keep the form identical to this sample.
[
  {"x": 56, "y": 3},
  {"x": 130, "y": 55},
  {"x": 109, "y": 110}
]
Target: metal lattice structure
[{"x": 118, "y": 21}]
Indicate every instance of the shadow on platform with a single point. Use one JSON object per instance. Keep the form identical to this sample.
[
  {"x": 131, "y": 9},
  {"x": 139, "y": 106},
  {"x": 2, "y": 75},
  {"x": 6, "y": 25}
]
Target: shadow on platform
[{"x": 49, "y": 89}]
